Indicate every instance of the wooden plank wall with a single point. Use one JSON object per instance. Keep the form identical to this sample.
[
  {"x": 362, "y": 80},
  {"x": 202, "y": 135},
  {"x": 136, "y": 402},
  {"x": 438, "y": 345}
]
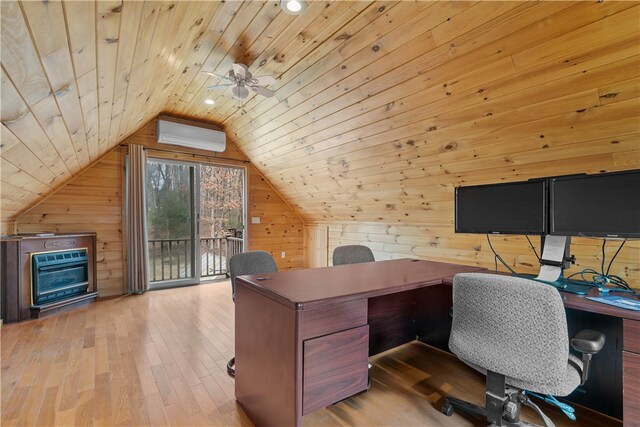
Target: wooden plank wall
[
  {"x": 280, "y": 229},
  {"x": 90, "y": 202},
  {"x": 93, "y": 202},
  {"x": 7, "y": 227},
  {"x": 316, "y": 245}
]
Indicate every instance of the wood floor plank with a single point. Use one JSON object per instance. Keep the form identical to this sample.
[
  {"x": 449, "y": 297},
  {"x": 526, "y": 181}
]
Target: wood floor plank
[{"x": 160, "y": 359}]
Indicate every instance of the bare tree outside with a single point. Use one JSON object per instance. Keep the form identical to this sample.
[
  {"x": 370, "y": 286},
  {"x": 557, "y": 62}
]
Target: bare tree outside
[{"x": 221, "y": 194}]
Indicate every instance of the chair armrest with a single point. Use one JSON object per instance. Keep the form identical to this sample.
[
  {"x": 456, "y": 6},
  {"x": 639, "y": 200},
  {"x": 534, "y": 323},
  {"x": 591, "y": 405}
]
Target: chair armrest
[{"x": 588, "y": 341}]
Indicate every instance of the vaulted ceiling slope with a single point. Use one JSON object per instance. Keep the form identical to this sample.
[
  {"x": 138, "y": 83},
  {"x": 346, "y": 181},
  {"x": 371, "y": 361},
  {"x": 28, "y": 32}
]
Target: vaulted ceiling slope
[{"x": 380, "y": 107}]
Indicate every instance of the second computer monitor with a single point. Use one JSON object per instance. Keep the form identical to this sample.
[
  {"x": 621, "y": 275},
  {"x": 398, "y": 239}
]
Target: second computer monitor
[{"x": 603, "y": 205}]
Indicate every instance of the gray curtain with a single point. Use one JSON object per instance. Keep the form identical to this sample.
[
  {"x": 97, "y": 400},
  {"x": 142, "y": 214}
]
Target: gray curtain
[{"x": 137, "y": 266}]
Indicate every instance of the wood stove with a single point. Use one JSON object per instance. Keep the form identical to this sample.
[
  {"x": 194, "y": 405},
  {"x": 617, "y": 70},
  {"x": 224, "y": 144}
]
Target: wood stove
[
  {"x": 47, "y": 273},
  {"x": 59, "y": 274}
]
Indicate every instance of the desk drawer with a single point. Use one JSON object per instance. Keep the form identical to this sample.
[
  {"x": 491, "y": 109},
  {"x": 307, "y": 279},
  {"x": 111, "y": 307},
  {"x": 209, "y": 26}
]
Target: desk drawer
[
  {"x": 334, "y": 318},
  {"x": 631, "y": 389},
  {"x": 631, "y": 339},
  {"x": 335, "y": 367}
]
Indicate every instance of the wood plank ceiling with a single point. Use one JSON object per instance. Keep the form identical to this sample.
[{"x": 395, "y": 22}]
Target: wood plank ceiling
[{"x": 380, "y": 107}]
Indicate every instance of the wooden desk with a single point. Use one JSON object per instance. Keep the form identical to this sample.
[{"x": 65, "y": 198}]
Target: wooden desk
[{"x": 303, "y": 337}]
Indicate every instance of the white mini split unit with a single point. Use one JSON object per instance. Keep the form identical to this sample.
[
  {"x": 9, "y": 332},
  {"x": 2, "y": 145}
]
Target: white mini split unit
[{"x": 190, "y": 134}]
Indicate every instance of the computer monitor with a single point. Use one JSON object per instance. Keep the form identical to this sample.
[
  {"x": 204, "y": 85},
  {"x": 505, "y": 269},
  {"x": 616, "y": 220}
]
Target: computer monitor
[
  {"x": 604, "y": 205},
  {"x": 512, "y": 208}
]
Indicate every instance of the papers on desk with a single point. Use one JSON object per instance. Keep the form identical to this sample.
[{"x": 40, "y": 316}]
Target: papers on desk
[
  {"x": 622, "y": 302},
  {"x": 553, "y": 251},
  {"x": 549, "y": 273}
]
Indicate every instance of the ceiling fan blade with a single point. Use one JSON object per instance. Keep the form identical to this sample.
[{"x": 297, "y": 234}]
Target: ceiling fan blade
[
  {"x": 263, "y": 91},
  {"x": 219, "y": 86},
  {"x": 216, "y": 75},
  {"x": 241, "y": 71},
  {"x": 263, "y": 80}
]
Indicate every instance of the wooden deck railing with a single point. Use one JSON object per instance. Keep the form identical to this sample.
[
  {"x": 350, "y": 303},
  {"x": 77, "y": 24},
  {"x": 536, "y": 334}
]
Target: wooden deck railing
[{"x": 169, "y": 259}]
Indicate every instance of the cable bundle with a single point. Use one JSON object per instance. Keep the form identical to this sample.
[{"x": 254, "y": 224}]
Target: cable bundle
[{"x": 602, "y": 278}]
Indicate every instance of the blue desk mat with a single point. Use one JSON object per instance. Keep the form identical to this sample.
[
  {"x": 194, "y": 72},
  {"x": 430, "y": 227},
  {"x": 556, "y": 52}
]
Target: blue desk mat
[{"x": 622, "y": 302}]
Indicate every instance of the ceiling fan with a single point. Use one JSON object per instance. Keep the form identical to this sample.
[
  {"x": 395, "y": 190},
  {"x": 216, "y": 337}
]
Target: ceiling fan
[{"x": 241, "y": 79}]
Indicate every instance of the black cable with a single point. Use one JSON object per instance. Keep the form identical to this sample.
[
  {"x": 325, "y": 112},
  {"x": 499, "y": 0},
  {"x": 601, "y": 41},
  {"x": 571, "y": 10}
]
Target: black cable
[
  {"x": 499, "y": 257},
  {"x": 604, "y": 242},
  {"x": 602, "y": 278},
  {"x": 614, "y": 257},
  {"x": 533, "y": 248}
]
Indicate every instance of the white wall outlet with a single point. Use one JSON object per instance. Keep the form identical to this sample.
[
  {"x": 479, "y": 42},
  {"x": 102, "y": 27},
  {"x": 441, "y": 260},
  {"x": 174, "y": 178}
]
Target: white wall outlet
[
  {"x": 255, "y": 220},
  {"x": 282, "y": 254}
]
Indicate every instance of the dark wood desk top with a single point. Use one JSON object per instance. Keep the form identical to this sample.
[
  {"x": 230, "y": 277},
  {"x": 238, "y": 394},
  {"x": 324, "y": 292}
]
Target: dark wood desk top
[
  {"x": 580, "y": 302},
  {"x": 312, "y": 288},
  {"x": 303, "y": 289}
]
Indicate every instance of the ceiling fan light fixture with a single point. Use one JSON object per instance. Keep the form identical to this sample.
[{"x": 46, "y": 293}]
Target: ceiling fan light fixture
[
  {"x": 293, "y": 7},
  {"x": 240, "y": 92}
]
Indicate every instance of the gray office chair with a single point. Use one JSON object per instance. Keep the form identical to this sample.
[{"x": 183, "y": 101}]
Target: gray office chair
[
  {"x": 352, "y": 254},
  {"x": 246, "y": 263},
  {"x": 514, "y": 330}
]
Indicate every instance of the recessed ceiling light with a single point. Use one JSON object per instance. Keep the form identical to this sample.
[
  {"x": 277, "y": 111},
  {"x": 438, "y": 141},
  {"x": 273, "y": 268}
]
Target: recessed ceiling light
[
  {"x": 209, "y": 101},
  {"x": 293, "y": 7}
]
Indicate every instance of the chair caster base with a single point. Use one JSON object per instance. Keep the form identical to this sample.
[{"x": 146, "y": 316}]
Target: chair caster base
[
  {"x": 447, "y": 409},
  {"x": 231, "y": 367}
]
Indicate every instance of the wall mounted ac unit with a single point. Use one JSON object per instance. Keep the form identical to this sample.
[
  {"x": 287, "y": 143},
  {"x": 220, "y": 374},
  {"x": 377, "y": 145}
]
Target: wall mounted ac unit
[{"x": 190, "y": 134}]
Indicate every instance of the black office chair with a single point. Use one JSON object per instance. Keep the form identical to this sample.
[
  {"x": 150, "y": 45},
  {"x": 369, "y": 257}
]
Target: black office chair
[
  {"x": 247, "y": 263},
  {"x": 352, "y": 254},
  {"x": 514, "y": 330}
]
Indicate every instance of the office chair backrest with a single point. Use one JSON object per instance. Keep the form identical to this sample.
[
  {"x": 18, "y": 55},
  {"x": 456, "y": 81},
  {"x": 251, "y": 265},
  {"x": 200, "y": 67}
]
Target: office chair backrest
[
  {"x": 352, "y": 254},
  {"x": 254, "y": 262},
  {"x": 510, "y": 325}
]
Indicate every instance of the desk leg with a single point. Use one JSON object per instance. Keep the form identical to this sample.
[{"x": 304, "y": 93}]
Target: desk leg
[{"x": 268, "y": 360}]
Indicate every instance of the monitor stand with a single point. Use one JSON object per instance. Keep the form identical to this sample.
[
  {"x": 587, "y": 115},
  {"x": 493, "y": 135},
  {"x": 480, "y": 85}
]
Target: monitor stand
[{"x": 556, "y": 257}]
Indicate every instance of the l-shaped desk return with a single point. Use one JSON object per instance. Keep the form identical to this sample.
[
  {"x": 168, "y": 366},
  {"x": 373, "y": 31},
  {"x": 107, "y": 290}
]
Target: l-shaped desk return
[{"x": 303, "y": 337}]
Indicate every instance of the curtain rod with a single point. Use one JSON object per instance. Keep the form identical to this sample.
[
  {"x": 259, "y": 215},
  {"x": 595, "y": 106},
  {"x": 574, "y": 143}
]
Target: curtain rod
[{"x": 166, "y": 150}]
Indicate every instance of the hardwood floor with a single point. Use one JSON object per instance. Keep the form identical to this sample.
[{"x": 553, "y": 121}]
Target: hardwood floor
[{"x": 160, "y": 359}]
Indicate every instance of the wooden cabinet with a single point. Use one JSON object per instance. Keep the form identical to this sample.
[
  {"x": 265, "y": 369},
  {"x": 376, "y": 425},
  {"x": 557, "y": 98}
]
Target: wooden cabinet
[{"x": 631, "y": 373}]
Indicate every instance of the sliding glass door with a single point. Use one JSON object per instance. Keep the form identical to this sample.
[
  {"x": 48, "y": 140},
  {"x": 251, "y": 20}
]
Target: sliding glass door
[
  {"x": 195, "y": 216},
  {"x": 171, "y": 221}
]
